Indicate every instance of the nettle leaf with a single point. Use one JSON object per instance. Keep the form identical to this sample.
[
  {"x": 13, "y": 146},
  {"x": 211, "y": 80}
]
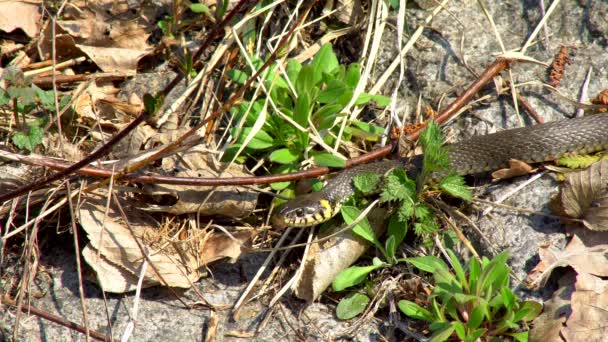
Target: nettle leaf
[
  {"x": 406, "y": 210},
  {"x": 351, "y": 306},
  {"x": 47, "y": 98},
  {"x": 284, "y": 156},
  {"x": 328, "y": 159},
  {"x": 398, "y": 187},
  {"x": 352, "y": 276},
  {"x": 367, "y": 182},
  {"x": 414, "y": 310},
  {"x": 435, "y": 155},
  {"x": 30, "y": 139},
  {"x": 454, "y": 185},
  {"x": 427, "y": 263}
]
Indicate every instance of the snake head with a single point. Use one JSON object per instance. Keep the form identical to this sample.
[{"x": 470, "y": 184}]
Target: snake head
[{"x": 305, "y": 211}]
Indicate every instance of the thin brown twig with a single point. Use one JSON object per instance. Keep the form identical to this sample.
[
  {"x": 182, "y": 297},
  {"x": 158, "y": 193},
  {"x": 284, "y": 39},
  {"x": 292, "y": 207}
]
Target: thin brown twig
[
  {"x": 26, "y": 308},
  {"x": 467, "y": 95}
]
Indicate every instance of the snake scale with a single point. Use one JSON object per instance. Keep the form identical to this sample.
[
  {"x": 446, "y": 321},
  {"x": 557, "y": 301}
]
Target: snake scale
[{"x": 531, "y": 144}]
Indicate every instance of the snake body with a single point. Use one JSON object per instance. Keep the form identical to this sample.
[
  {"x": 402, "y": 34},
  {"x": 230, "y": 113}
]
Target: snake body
[{"x": 531, "y": 144}]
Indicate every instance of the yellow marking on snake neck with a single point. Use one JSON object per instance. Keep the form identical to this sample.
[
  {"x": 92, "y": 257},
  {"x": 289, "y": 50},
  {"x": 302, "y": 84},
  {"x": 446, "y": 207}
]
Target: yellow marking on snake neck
[{"x": 328, "y": 211}]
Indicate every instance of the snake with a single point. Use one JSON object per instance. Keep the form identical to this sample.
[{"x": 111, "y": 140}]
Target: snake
[{"x": 530, "y": 144}]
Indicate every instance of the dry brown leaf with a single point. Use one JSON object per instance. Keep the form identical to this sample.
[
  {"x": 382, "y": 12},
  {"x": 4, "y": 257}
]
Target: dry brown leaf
[
  {"x": 327, "y": 259},
  {"x": 111, "y": 59},
  {"x": 588, "y": 255},
  {"x": 585, "y": 196},
  {"x": 231, "y": 201},
  {"x": 111, "y": 277},
  {"x": 114, "y": 40},
  {"x": 589, "y": 305},
  {"x": 516, "y": 168},
  {"x": 24, "y": 15},
  {"x": 179, "y": 262},
  {"x": 548, "y": 325}
]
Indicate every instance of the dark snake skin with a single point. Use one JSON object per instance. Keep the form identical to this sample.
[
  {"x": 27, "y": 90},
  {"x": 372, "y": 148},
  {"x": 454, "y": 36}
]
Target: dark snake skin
[{"x": 479, "y": 154}]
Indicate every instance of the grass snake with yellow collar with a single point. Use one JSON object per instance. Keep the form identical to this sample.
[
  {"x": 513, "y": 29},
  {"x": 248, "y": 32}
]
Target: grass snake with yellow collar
[{"x": 531, "y": 144}]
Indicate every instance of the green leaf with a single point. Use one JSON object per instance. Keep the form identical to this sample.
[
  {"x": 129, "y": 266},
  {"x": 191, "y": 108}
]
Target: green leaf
[
  {"x": 367, "y": 182},
  {"x": 476, "y": 334},
  {"x": 398, "y": 187},
  {"x": 334, "y": 90},
  {"x": 435, "y": 155},
  {"x": 351, "y": 306},
  {"x": 292, "y": 70},
  {"x": 30, "y": 139},
  {"x": 237, "y": 76},
  {"x": 406, "y": 211},
  {"x": 47, "y": 98},
  {"x": 442, "y": 334},
  {"x": 397, "y": 229},
  {"x": 455, "y": 186},
  {"x": 325, "y": 61},
  {"x": 25, "y": 95},
  {"x": 199, "y": 8},
  {"x": 284, "y": 156},
  {"x": 285, "y": 168},
  {"x": 328, "y": 159},
  {"x": 528, "y": 311},
  {"x": 153, "y": 103},
  {"x": 413, "y": 310},
  {"x": 390, "y": 247},
  {"x": 302, "y": 110},
  {"x": 352, "y": 276},
  {"x": 508, "y": 298},
  {"x": 363, "y": 228},
  {"x": 305, "y": 82},
  {"x": 474, "y": 273},
  {"x": 460, "y": 330},
  {"x": 520, "y": 336},
  {"x": 427, "y": 263},
  {"x": 353, "y": 73},
  {"x": 577, "y": 161},
  {"x": 458, "y": 269},
  {"x": 260, "y": 141},
  {"x": 368, "y": 128},
  {"x": 476, "y": 317}
]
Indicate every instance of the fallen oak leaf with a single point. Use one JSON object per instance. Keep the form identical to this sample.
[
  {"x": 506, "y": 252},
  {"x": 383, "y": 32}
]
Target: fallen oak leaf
[{"x": 585, "y": 196}]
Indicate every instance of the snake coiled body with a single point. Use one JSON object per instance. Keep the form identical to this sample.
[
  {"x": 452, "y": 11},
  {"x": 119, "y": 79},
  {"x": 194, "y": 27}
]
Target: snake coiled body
[{"x": 479, "y": 154}]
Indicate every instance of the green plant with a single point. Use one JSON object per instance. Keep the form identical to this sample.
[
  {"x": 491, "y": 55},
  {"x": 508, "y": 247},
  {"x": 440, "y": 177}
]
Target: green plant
[
  {"x": 302, "y": 101},
  {"x": 407, "y": 196},
  {"x": 474, "y": 303},
  {"x": 21, "y": 97}
]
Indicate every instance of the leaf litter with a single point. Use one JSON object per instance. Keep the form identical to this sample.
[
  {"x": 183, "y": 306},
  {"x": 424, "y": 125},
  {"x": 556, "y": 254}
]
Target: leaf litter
[{"x": 578, "y": 310}]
